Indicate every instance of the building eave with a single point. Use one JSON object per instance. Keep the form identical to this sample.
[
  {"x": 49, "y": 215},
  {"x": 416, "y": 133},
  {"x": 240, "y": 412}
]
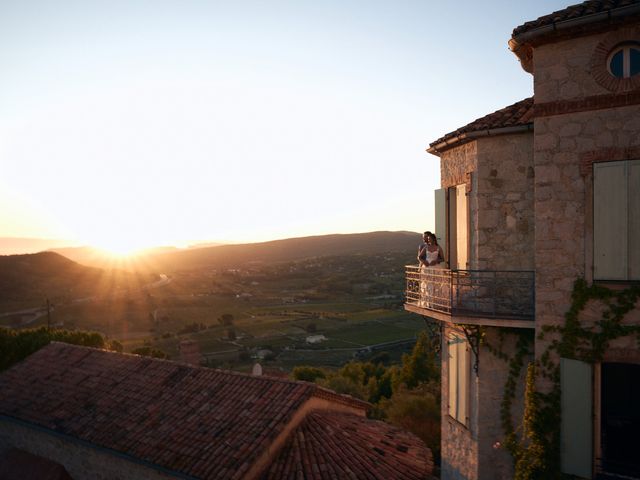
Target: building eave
[
  {"x": 522, "y": 44},
  {"x": 467, "y": 137}
]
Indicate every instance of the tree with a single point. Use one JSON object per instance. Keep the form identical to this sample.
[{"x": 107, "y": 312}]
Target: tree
[
  {"x": 308, "y": 374},
  {"x": 417, "y": 411},
  {"x": 17, "y": 345},
  {"x": 421, "y": 366},
  {"x": 150, "y": 352},
  {"x": 226, "y": 319}
]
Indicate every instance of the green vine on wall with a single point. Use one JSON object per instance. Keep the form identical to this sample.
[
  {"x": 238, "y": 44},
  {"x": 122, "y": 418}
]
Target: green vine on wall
[{"x": 536, "y": 451}]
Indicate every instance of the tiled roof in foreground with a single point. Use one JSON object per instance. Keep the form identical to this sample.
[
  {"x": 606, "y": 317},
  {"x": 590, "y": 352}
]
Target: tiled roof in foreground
[
  {"x": 200, "y": 422},
  {"x": 518, "y": 114},
  {"x": 336, "y": 445},
  {"x": 578, "y": 11}
]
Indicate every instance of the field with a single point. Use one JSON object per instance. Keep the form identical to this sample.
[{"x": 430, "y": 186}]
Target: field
[{"x": 267, "y": 312}]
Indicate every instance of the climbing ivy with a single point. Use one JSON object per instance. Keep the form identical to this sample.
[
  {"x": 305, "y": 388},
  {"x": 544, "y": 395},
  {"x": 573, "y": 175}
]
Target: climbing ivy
[{"x": 536, "y": 451}]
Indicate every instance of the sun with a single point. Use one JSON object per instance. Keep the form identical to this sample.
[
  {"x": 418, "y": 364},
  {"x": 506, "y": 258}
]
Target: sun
[{"x": 120, "y": 247}]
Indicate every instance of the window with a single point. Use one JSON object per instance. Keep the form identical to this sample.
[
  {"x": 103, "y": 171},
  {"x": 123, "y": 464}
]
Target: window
[
  {"x": 624, "y": 61},
  {"x": 458, "y": 355},
  {"x": 452, "y": 225},
  {"x": 616, "y": 221}
]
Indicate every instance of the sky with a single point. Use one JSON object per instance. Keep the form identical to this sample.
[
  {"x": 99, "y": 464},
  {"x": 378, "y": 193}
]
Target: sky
[{"x": 134, "y": 123}]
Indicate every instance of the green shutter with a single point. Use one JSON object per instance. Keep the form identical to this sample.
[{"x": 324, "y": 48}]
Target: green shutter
[
  {"x": 441, "y": 217},
  {"x": 577, "y": 417},
  {"x": 453, "y": 376},
  {"x": 633, "y": 189},
  {"x": 610, "y": 216}
]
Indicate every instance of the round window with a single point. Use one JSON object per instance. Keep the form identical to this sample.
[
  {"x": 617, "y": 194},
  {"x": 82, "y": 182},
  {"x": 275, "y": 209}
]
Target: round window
[{"x": 624, "y": 60}]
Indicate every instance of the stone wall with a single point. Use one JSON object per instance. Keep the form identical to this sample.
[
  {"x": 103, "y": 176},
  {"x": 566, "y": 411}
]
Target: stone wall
[
  {"x": 505, "y": 219},
  {"x": 563, "y": 196},
  {"x": 81, "y": 461},
  {"x": 456, "y": 163},
  {"x": 459, "y": 444},
  {"x": 476, "y": 451},
  {"x": 576, "y": 68},
  {"x": 496, "y": 462},
  {"x": 564, "y": 143}
]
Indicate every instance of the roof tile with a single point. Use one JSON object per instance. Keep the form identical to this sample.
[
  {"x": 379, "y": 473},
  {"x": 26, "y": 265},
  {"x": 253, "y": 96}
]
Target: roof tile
[
  {"x": 152, "y": 408},
  {"x": 574, "y": 11},
  {"x": 339, "y": 445},
  {"x": 520, "y": 113}
]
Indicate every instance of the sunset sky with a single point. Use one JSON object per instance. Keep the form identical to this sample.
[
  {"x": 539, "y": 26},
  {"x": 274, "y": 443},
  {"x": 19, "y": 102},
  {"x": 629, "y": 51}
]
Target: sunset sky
[{"x": 133, "y": 123}]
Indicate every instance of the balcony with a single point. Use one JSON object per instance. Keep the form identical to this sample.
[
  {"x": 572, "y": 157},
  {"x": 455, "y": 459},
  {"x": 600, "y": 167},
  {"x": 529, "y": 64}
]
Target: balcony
[{"x": 474, "y": 297}]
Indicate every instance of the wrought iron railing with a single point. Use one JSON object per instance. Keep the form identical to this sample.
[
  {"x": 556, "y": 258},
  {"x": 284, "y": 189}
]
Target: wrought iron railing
[{"x": 473, "y": 293}]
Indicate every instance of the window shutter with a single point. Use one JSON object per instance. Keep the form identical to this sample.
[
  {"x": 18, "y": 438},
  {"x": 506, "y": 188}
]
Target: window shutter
[
  {"x": 463, "y": 382},
  {"x": 633, "y": 190},
  {"x": 610, "y": 220},
  {"x": 453, "y": 376},
  {"x": 461, "y": 227},
  {"x": 441, "y": 217},
  {"x": 577, "y": 418}
]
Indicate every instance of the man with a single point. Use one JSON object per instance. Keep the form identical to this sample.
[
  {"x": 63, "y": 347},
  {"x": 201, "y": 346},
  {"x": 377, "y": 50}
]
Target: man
[{"x": 422, "y": 249}]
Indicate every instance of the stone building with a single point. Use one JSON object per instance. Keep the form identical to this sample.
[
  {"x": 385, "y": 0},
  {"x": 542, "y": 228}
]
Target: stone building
[
  {"x": 539, "y": 218},
  {"x": 71, "y": 412}
]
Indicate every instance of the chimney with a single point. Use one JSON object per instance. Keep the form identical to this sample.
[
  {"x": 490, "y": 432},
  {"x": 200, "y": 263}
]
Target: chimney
[{"x": 190, "y": 352}]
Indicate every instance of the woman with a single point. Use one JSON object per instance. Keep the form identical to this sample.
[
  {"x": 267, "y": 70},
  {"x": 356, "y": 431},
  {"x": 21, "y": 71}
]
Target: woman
[
  {"x": 435, "y": 255},
  {"x": 428, "y": 280}
]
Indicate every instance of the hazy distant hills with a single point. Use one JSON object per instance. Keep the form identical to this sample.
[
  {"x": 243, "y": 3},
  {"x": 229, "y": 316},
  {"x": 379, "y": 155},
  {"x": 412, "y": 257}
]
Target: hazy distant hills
[
  {"x": 274, "y": 251},
  {"x": 29, "y": 279},
  {"x": 32, "y": 276},
  {"x": 17, "y": 246}
]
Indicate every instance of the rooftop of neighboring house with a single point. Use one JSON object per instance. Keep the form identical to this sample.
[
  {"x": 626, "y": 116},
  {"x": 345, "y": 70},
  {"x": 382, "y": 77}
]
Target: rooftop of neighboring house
[
  {"x": 195, "y": 421},
  {"x": 339, "y": 445},
  {"x": 512, "y": 118}
]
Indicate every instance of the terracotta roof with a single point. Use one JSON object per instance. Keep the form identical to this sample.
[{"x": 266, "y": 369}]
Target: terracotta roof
[
  {"x": 579, "y": 11},
  {"x": 197, "y": 421},
  {"x": 518, "y": 114},
  {"x": 336, "y": 445}
]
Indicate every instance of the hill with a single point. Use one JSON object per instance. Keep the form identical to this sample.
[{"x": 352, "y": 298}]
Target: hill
[
  {"x": 26, "y": 280},
  {"x": 265, "y": 252},
  {"x": 15, "y": 245}
]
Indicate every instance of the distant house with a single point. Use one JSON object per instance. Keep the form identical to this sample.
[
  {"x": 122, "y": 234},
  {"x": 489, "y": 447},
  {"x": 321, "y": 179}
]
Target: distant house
[
  {"x": 82, "y": 413},
  {"x": 533, "y": 198},
  {"x": 315, "y": 338}
]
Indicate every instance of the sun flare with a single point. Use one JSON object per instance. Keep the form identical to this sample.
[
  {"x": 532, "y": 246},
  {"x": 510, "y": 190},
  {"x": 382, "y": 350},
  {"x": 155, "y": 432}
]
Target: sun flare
[{"x": 120, "y": 247}]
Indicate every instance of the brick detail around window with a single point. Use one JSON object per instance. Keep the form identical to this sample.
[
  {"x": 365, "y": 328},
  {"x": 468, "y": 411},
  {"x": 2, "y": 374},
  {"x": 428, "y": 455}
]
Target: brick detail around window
[
  {"x": 612, "y": 154},
  {"x": 599, "y": 66},
  {"x": 595, "y": 102}
]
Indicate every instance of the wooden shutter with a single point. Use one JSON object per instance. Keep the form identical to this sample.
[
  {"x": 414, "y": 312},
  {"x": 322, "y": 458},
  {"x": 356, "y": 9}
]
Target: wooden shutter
[
  {"x": 441, "y": 217},
  {"x": 453, "y": 376},
  {"x": 610, "y": 221},
  {"x": 461, "y": 227},
  {"x": 633, "y": 194},
  {"x": 458, "y": 379},
  {"x": 576, "y": 441},
  {"x": 463, "y": 382}
]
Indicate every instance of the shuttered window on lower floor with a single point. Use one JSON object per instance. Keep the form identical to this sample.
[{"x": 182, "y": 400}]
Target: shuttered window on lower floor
[{"x": 458, "y": 356}]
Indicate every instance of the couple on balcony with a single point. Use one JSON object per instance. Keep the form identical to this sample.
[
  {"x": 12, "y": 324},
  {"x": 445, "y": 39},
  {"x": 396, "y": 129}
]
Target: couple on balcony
[
  {"x": 429, "y": 252},
  {"x": 430, "y": 256}
]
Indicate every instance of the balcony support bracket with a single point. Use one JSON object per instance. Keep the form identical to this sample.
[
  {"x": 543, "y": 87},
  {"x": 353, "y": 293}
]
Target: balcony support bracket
[{"x": 474, "y": 336}]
